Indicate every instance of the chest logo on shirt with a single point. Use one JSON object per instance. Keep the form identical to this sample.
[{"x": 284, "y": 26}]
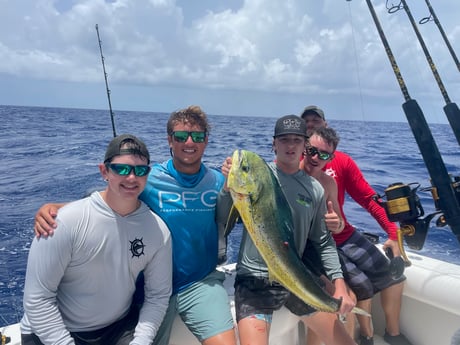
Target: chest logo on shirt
[
  {"x": 137, "y": 247},
  {"x": 186, "y": 200},
  {"x": 303, "y": 200},
  {"x": 331, "y": 172}
]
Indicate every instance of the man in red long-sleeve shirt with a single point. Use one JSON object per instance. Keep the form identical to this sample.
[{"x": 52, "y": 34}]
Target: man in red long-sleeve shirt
[{"x": 365, "y": 268}]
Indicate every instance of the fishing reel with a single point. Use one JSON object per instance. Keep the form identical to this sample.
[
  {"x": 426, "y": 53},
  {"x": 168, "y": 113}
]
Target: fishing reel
[
  {"x": 403, "y": 205},
  {"x": 4, "y": 339}
]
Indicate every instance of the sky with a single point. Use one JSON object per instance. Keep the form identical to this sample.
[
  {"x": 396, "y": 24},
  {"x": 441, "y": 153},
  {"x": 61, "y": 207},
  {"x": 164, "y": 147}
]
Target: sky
[{"x": 231, "y": 57}]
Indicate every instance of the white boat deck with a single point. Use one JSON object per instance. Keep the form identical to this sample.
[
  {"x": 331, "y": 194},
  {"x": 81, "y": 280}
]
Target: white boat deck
[
  {"x": 430, "y": 312},
  {"x": 184, "y": 338},
  {"x": 285, "y": 330}
]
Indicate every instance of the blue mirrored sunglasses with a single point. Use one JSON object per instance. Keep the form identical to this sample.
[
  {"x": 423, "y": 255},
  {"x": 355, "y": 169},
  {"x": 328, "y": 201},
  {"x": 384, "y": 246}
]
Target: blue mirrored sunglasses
[
  {"x": 125, "y": 169},
  {"x": 182, "y": 136},
  {"x": 323, "y": 155}
]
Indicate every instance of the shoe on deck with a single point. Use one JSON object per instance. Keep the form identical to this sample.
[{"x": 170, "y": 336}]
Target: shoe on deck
[
  {"x": 363, "y": 340},
  {"x": 399, "y": 339}
]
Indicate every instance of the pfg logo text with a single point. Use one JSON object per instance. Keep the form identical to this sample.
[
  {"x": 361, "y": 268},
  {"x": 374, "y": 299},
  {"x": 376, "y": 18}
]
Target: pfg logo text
[{"x": 187, "y": 199}]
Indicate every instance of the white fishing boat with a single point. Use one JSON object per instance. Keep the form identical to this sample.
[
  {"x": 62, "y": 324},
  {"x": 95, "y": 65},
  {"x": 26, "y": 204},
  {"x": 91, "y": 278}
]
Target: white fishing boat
[
  {"x": 430, "y": 313},
  {"x": 430, "y": 310}
]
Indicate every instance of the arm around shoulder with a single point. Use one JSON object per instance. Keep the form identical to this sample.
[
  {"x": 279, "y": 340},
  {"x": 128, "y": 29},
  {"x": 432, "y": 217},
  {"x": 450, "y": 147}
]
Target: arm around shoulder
[{"x": 45, "y": 219}]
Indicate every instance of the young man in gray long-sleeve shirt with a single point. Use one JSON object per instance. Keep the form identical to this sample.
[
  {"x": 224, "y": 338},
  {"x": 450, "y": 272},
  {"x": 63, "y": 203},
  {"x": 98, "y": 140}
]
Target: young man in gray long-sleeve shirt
[{"x": 80, "y": 282}]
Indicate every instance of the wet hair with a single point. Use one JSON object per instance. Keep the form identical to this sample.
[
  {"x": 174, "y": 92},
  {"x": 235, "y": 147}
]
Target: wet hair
[
  {"x": 192, "y": 115},
  {"x": 328, "y": 134}
]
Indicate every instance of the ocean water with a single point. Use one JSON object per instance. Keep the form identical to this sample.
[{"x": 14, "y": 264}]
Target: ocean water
[{"x": 51, "y": 155}]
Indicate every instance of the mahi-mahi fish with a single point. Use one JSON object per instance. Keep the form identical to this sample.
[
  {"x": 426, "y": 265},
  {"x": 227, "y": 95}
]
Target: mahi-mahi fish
[{"x": 266, "y": 215}]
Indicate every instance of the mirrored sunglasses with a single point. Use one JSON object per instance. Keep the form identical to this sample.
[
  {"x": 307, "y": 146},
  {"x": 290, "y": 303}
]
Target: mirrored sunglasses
[
  {"x": 323, "y": 155},
  {"x": 125, "y": 169},
  {"x": 182, "y": 136}
]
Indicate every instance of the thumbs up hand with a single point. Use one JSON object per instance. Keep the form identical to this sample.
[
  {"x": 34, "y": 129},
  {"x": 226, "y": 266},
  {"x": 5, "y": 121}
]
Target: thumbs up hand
[{"x": 334, "y": 222}]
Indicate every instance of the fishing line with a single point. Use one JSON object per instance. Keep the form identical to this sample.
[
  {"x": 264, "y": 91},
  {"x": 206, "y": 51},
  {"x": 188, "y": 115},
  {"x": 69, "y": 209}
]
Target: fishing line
[
  {"x": 450, "y": 109},
  {"x": 106, "y": 82},
  {"x": 364, "y": 138},
  {"x": 440, "y": 178},
  {"x": 394, "y": 65},
  {"x": 394, "y": 9},
  {"x": 355, "y": 49},
  {"x": 433, "y": 17}
]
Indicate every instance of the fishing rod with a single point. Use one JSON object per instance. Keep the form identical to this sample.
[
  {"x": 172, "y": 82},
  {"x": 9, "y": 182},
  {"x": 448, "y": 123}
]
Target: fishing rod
[
  {"x": 450, "y": 109},
  {"x": 409, "y": 213},
  {"x": 106, "y": 82},
  {"x": 433, "y": 17}
]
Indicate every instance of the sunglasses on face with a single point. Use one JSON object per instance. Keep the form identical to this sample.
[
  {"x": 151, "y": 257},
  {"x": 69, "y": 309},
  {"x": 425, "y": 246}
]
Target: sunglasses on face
[
  {"x": 125, "y": 169},
  {"x": 323, "y": 155},
  {"x": 182, "y": 136}
]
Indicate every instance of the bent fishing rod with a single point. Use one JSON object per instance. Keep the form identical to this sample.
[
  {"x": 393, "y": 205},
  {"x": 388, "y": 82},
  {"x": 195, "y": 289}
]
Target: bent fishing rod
[
  {"x": 106, "y": 82},
  {"x": 450, "y": 109},
  {"x": 433, "y": 17},
  {"x": 444, "y": 192}
]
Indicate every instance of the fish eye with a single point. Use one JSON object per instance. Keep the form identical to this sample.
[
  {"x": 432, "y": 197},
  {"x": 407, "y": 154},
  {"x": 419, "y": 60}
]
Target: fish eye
[{"x": 245, "y": 168}]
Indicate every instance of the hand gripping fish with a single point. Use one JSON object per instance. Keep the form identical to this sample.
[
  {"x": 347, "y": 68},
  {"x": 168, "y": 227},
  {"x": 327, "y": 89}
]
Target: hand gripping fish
[{"x": 265, "y": 212}]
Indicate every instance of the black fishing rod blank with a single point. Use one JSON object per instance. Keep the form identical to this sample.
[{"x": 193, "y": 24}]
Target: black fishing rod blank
[
  {"x": 106, "y": 82},
  {"x": 440, "y": 178},
  {"x": 441, "y": 30},
  {"x": 450, "y": 109}
]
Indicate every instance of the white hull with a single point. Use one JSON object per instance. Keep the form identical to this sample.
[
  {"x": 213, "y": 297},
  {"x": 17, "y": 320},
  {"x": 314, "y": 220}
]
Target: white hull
[
  {"x": 430, "y": 311},
  {"x": 431, "y": 303}
]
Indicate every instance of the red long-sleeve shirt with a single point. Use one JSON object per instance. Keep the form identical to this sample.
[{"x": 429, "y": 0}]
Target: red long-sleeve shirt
[{"x": 350, "y": 179}]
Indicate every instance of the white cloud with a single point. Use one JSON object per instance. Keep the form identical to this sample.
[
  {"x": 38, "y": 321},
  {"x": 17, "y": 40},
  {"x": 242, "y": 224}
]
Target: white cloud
[
  {"x": 306, "y": 51},
  {"x": 293, "y": 49}
]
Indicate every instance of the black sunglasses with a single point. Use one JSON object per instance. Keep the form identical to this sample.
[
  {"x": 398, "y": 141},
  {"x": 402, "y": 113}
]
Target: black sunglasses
[
  {"x": 125, "y": 169},
  {"x": 323, "y": 155},
  {"x": 182, "y": 136}
]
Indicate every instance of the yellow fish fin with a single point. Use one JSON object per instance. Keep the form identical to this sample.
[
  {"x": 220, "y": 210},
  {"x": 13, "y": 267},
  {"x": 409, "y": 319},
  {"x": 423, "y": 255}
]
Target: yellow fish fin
[{"x": 360, "y": 311}]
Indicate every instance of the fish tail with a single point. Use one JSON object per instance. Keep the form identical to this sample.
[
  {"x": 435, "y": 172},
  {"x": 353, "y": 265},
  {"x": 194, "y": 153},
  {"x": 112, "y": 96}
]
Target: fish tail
[
  {"x": 356, "y": 310},
  {"x": 360, "y": 311}
]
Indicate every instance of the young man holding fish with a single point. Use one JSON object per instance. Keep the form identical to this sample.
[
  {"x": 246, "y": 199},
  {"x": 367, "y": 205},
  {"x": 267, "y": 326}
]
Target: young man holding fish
[
  {"x": 367, "y": 274},
  {"x": 256, "y": 295}
]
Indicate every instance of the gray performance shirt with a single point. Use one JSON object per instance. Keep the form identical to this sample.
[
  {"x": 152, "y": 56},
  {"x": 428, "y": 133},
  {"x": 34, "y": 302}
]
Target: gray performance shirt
[
  {"x": 305, "y": 195},
  {"x": 83, "y": 277}
]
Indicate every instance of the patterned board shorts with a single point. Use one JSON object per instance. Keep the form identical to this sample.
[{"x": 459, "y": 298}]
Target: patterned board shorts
[
  {"x": 366, "y": 269},
  {"x": 258, "y": 296}
]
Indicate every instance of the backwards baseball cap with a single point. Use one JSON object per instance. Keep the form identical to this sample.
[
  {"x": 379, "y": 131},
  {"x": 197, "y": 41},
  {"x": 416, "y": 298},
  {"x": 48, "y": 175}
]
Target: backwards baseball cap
[
  {"x": 313, "y": 109},
  {"x": 290, "y": 124},
  {"x": 135, "y": 147}
]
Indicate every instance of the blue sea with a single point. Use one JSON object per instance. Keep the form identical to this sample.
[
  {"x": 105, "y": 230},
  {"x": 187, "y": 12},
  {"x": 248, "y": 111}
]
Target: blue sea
[{"x": 51, "y": 155}]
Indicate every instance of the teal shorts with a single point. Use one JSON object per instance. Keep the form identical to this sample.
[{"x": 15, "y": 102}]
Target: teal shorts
[{"x": 203, "y": 306}]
